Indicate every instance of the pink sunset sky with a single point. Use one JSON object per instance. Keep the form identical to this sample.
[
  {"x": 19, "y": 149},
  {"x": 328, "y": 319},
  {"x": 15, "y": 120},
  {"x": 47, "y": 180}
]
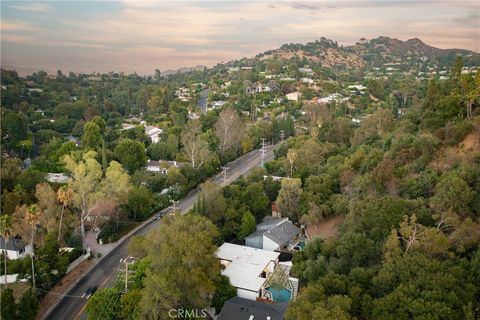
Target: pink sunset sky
[{"x": 86, "y": 36}]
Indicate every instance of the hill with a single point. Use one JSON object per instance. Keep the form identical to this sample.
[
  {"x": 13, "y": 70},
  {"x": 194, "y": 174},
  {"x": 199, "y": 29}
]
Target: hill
[{"x": 383, "y": 49}]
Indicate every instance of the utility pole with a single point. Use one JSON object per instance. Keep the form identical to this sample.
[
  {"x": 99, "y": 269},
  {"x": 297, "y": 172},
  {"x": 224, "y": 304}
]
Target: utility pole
[
  {"x": 174, "y": 205},
  {"x": 127, "y": 272},
  {"x": 225, "y": 175},
  {"x": 263, "y": 151}
]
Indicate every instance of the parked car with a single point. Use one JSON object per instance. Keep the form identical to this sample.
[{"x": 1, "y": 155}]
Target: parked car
[{"x": 157, "y": 216}]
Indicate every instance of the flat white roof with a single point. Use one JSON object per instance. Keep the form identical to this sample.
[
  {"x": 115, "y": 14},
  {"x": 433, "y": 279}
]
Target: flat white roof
[{"x": 246, "y": 265}]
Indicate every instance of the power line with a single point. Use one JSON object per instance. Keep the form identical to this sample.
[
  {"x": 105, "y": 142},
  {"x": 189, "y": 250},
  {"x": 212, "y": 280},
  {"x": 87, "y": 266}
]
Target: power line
[{"x": 59, "y": 294}]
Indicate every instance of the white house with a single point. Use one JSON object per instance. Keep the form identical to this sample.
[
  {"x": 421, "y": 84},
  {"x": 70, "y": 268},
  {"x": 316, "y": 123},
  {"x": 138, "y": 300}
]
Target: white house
[
  {"x": 294, "y": 96},
  {"x": 153, "y": 132},
  {"x": 57, "y": 178},
  {"x": 161, "y": 166},
  {"x": 306, "y": 70},
  {"x": 307, "y": 80},
  {"x": 357, "y": 87},
  {"x": 15, "y": 248},
  {"x": 247, "y": 268},
  {"x": 332, "y": 97}
]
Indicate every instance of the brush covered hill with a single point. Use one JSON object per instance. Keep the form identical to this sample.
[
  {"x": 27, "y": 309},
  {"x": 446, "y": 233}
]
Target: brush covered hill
[
  {"x": 408, "y": 188},
  {"x": 381, "y": 50}
]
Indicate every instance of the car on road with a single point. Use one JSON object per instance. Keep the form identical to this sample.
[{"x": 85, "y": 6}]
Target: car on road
[
  {"x": 157, "y": 216},
  {"x": 89, "y": 292}
]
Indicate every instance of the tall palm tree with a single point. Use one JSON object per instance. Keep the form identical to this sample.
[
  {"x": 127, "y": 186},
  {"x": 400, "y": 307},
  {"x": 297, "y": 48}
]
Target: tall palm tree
[
  {"x": 65, "y": 196},
  {"x": 32, "y": 218},
  {"x": 6, "y": 232}
]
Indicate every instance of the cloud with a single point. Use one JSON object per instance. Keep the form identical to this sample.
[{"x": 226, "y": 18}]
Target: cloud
[
  {"x": 144, "y": 35},
  {"x": 34, "y": 7},
  {"x": 16, "y": 26}
]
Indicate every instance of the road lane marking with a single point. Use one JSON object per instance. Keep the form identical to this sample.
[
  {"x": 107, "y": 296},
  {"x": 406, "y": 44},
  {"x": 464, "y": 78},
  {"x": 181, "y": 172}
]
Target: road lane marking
[{"x": 85, "y": 305}]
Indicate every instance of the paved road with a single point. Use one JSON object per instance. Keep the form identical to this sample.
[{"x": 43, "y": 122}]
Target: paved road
[
  {"x": 103, "y": 274},
  {"x": 202, "y": 101}
]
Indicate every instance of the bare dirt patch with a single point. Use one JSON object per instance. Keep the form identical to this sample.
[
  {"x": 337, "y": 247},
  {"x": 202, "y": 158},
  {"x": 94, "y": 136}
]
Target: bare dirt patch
[
  {"x": 326, "y": 228},
  {"x": 464, "y": 152}
]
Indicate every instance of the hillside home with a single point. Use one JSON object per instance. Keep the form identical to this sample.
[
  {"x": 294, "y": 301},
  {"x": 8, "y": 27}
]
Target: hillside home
[
  {"x": 161, "y": 166},
  {"x": 247, "y": 268},
  {"x": 243, "y": 309},
  {"x": 273, "y": 234},
  {"x": 154, "y": 133},
  {"x": 57, "y": 178},
  {"x": 294, "y": 96},
  {"x": 14, "y": 248}
]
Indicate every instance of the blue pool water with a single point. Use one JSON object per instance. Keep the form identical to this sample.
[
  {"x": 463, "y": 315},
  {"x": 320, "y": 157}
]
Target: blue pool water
[{"x": 279, "y": 293}]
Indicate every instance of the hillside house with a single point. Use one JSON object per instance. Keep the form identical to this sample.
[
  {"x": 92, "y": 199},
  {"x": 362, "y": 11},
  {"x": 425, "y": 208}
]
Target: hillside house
[
  {"x": 273, "y": 234},
  {"x": 14, "y": 248},
  {"x": 294, "y": 96},
  {"x": 247, "y": 268},
  {"x": 161, "y": 166},
  {"x": 243, "y": 309}
]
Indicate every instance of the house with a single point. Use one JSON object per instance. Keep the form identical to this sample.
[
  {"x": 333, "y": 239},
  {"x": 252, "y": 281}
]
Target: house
[
  {"x": 36, "y": 90},
  {"x": 337, "y": 97},
  {"x": 357, "y": 87},
  {"x": 258, "y": 88},
  {"x": 73, "y": 139},
  {"x": 14, "y": 248},
  {"x": 152, "y": 132},
  {"x": 127, "y": 126},
  {"x": 161, "y": 166},
  {"x": 57, "y": 178},
  {"x": 306, "y": 70},
  {"x": 294, "y": 96},
  {"x": 273, "y": 234},
  {"x": 247, "y": 268},
  {"x": 243, "y": 309},
  {"x": 307, "y": 80}
]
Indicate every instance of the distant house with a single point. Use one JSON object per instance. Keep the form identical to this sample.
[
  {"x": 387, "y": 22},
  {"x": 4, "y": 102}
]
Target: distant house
[
  {"x": 243, "y": 309},
  {"x": 294, "y": 96},
  {"x": 258, "y": 88},
  {"x": 127, "y": 126},
  {"x": 273, "y": 234},
  {"x": 337, "y": 97},
  {"x": 73, "y": 139},
  {"x": 247, "y": 268},
  {"x": 153, "y": 132},
  {"x": 14, "y": 248},
  {"x": 57, "y": 178},
  {"x": 307, "y": 80},
  {"x": 357, "y": 87},
  {"x": 36, "y": 90},
  {"x": 161, "y": 166},
  {"x": 306, "y": 70}
]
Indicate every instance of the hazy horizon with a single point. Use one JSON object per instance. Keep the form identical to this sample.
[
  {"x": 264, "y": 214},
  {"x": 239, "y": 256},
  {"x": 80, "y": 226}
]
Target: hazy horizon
[{"x": 141, "y": 36}]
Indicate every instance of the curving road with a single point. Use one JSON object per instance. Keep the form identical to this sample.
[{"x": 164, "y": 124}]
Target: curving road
[{"x": 103, "y": 274}]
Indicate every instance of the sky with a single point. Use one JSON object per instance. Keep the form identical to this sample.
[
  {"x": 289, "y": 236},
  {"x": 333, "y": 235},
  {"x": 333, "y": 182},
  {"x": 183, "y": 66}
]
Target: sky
[{"x": 141, "y": 36}]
